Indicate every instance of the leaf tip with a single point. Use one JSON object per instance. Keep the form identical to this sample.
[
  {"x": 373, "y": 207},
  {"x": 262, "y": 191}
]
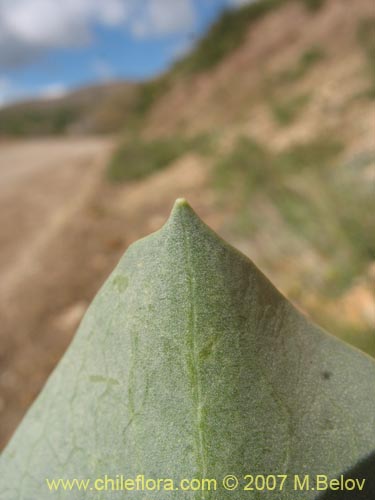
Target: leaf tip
[
  {"x": 181, "y": 211},
  {"x": 180, "y": 203},
  {"x": 180, "y": 208}
]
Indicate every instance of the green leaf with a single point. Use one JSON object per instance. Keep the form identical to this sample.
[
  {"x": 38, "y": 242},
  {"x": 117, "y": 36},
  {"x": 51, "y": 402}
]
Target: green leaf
[{"x": 190, "y": 364}]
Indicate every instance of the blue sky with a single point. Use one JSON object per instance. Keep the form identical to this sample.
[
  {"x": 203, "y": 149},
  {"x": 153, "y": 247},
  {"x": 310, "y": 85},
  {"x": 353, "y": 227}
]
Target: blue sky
[{"x": 50, "y": 46}]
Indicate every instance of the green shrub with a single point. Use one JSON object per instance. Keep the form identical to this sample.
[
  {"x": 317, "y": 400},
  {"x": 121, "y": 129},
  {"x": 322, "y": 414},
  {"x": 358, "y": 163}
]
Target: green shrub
[
  {"x": 137, "y": 158},
  {"x": 306, "y": 61},
  {"x": 20, "y": 121},
  {"x": 317, "y": 153},
  {"x": 327, "y": 204},
  {"x": 148, "y": 93},
  {"x": 248, "y": 167},
  {"x": 252, "y": 166},
  {"x": 366, "y": 38},
  {"x": 225, "y": 35},
  {"x": 228, "y": 33},
  {"x": 314, "y": 5},
  {"x": 286, "y": 111}
]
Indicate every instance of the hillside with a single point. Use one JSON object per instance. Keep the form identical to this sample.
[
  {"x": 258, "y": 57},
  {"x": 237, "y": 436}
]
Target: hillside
[
  {"x": 279, "y": 107},
  {"x": 266, "y": 127},
  {"x": 97, "y": 109}
]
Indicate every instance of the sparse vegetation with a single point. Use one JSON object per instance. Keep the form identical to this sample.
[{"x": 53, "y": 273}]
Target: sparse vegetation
[
  {"x": 366, "y": 37},
  {"x": 229, "y": 32},
  {"x": 225, "y": 36},
  {"x": 33, "y": 121},
  {"x": 306, "y": 61},
  {"x": 248, "y": 167},
  {"x": 253, "y": 166},
  {"x": 148, "y": 93},
  {"x": 314, "y": 4},
  {"x": 286, "y": 111},
  {"x": 317, "y": 154},
  {"x": 137, "y": 158},
  {"x": 96, "y": 109},
  {"x": 320, "y": 200}
]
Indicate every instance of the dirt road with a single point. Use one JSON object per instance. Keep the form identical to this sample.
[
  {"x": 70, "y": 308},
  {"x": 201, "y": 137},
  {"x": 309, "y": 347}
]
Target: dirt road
[{"x": 43, "y": 184}]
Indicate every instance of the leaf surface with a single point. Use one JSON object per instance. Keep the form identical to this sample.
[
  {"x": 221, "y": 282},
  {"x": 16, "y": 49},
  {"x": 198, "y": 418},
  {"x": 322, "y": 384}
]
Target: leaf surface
[{"x": 190, "y": 364}]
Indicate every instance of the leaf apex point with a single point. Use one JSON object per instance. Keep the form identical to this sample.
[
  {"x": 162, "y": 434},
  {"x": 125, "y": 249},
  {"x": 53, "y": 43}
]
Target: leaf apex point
[
  {"x": 180, "y": 207},
  {"x": 181, "y": 202}
]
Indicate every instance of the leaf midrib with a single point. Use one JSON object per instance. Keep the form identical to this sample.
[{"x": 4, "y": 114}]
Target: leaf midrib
[{"x": 193, "y": 359}]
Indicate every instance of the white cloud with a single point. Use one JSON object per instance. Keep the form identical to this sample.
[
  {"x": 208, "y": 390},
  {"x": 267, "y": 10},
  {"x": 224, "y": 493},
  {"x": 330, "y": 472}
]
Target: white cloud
[
  {"x": 53, "y": 91},
  {"x": 10, "y": 93},
  {"x": 28, "y": 27},
  {"x": 163, "y": 17}
]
